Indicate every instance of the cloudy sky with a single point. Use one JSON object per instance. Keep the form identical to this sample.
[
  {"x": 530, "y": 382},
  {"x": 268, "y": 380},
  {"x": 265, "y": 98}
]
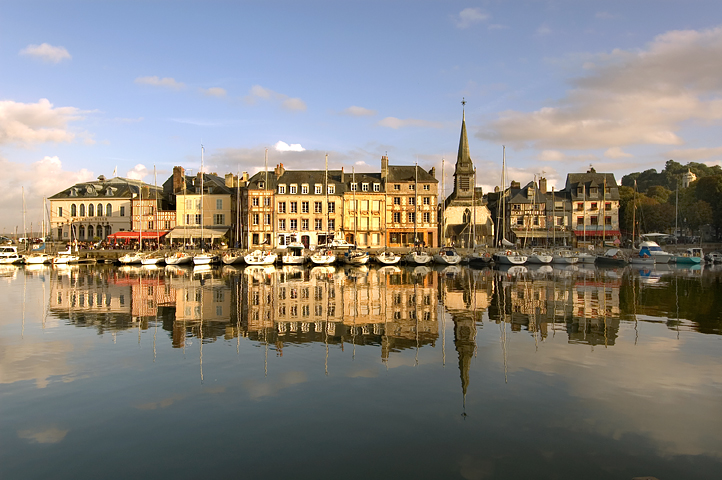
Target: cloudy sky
[{"x": 91, "y": 87}]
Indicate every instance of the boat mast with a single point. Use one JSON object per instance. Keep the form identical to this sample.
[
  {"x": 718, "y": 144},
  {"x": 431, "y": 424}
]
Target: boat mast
[
  {"x": 157, "y": 232},
  {"x": 202, "y": 174},
  {"x": 503, "y": 194},
  {"x": 634, "y": 213},
  {"x": 604, "y": 210},
  {"x": 265, "y": 194},
  {"x": 473, "y": 203},
  {"x": 355, "y": 207},
  {"x": 416, "y": 207},
  {"x": 238, "y": 206},
  {"x": 443, "y": 204},
  {"x": 328, "y": 212}
]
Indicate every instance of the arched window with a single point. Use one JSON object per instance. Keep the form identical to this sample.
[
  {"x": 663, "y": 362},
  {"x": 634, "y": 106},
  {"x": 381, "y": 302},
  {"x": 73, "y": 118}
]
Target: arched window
[
  {"x": 91, "y": 210},
  {"x": 73, "y": 210},
  {"x": 82, "y": 209},
  {"x": 81, "y": 232},
  {"x": 90, "y": 232},
  {"x": 108, "y": 210},
  {"x": 107, "y": 230},
  {"x": 100, "y": 209},
  {"x": 467, "y": 216},
  {"x": 99, "y": 232}
]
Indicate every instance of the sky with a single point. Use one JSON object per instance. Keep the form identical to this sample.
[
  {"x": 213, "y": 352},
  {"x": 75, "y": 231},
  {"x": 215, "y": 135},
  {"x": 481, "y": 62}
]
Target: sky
[{"x": 91, "y": 88}]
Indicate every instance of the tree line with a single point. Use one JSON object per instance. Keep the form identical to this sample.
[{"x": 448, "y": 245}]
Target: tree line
[{"x": 657, "y": 194}]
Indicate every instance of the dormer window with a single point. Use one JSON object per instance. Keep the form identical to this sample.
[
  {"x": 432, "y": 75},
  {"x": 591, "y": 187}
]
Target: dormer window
[
  {"x": 377, "y": 187},
  {"x": 353, "y": 187},
  {"x": 281, "y": 189},
  {"x": 364, "y": 187},
  {"x": 304, "y": 188},
  {"x": 109, "y": 192},
  {"x": 292, "y": 189},
  {"x": 593, "y": 191},
  {"x": 331, "y": 189},
  {"x": 318, "y": 189},
  {"x": 262, "y": 185},
  {"x": 73, "y": 192}
]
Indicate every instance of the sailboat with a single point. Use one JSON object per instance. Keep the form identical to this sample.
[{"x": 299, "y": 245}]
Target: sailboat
[
  {"x": 235, "y": 255},
  {"x": 417, "y": 256},
  {"x": 135, "y": 258},
  {"x": 353, "y": 256},
  {"x": 203, "y": 258},
  {"x": 154, "y": 258},
  {"x": 446, "y": 255},
  {"x": 506, "y": 256},
  {"x": 386, "y": 256},
  {"x": 324, "y": 255}
]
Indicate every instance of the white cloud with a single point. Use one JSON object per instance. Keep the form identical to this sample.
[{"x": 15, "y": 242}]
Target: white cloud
[
  {"x": 46, "y": 53},
  {"x": 355, "y": 111},
  {"x": 543, "y": 30},
  {"x": 139, "y": 172},
  {"x": 284, "y": 147},
  {"x": 258, "y": 92},
  {"x": 616, "y": 152},
  {"x": 396, "y": 123},
  {"x": 214, "y": 92},
  {"x": 470, "y": 16},
  {"x": 165, "y": 82},
  {"x": 627, "y": 98},
  {"x": 29, "y": 123},
  {"x": 694, "y": 154}
]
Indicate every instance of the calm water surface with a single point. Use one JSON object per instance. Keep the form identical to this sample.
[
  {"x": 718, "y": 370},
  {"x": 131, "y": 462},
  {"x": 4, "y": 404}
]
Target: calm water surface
[{"x": 322, "y": 372}]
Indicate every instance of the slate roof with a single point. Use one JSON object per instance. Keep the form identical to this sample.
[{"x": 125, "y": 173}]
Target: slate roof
[
  {"x": 591, "y": 179},
  {"x": 116, "y": 187},
  {"x": 407, "y": 173}
]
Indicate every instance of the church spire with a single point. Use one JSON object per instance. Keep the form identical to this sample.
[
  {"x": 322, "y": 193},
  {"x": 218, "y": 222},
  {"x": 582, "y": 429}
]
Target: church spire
[{"x": 463, "y": 159}]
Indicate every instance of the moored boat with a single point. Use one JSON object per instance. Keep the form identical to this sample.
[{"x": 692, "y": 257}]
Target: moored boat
[
  {"x": 261, "y": 257},
  {"x": 355, "y": 257},
  {"x": 539, "y": 257},
  {"x": 387, "y": 257},
  {"x": 295, "y": 254},
  {"x": 178, "y": 258},
  {"x": 323, "y": 257},
  {"x": 509, "y": 257},
  {"x": 447, "y": 256},
  {"x": 417, "y": 257}
]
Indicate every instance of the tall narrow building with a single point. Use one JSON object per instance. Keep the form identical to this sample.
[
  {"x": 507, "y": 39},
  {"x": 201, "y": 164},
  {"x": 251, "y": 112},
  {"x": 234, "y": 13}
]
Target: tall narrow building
[{"x": 464, "y": 214}]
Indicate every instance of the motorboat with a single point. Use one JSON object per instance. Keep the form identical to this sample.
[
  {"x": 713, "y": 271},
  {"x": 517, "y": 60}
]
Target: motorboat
[
  {"x": 323, "y": 257},
  {"x": 417, "y": 257},
  {"x": 539, "y": 257},
  {"x": 656, "y": 252},
  {"x": 132, "y": 258},
  {"x": 612, "y": 257},
  {"x": 564, "y": 257},
  {"x": 355, "y": 257},
  {"x": 713, "y": 257},
  {"x": 387, "y": 257},
  {"x": 509, "y": 257},
  {"x": 693, "y": 256},
  {"x": 447, "y": 256},
  {"x": 295, "y": 254},
  {"x": 261, "y": 257},
  {"x": 178, "y": 258},
  {"x": 232, "y": 257},
  {"x": 38, "y": 259},
  {"x": 9, "y": 255}
]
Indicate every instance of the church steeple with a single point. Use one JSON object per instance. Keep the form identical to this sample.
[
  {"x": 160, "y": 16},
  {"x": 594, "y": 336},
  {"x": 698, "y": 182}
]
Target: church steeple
[{"x": 464, "y": 171}]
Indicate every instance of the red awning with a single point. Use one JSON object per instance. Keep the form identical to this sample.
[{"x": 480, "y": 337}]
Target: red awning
[
  {"x": 596, "y": 233},
  {"x": 136, "y": 235}
]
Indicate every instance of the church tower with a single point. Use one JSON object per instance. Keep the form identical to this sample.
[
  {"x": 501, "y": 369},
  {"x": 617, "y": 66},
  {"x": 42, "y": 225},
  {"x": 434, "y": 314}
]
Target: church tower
[{"x": 464, "y": 172}]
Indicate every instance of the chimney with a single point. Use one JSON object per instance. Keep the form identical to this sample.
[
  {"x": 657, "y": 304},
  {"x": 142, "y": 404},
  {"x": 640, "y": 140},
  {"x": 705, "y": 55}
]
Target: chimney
[
  {"x": 432, "y": 172},
  {"x": 343, "y": 176},
  {"x": 542, "y": 185},
  {"x": 384, "y": 167},
  {"x": 245, "y": 177},
  {"x": 279, "y": 170},
  {"x": 179, "y": 179},
  {"x": 515, "y": 184},
  {"x": 231, "y": 180}
]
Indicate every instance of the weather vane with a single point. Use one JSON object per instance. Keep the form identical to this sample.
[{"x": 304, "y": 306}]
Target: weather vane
[{"x": 463, "y": 101}]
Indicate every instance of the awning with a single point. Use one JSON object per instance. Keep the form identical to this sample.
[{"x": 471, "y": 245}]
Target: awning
[
  {"x": 596, "y": 233},
  {"x": 147, "y": 235},
  {"x": 188, "y": 233}
]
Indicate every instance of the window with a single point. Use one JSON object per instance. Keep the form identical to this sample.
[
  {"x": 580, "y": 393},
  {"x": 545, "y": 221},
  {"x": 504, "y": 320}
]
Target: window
[
  {"x": 100, "y": 209},
  {"x": 167, "y": 225},
  {"x": 281, "y": 223},
  {"x": 580, "y": 220},
  {"x": 608, "y": 221},
  {"x": 304, "y": 188},
  {"x": 294, "y": 207},
  {"x": 427, "y": 200},
  {"x": 411, "y": 216},
  {"x": 593, "y": 220},
  {"x": 304, "y": 207},
  {"x": 331, "y": 225},
  {"x": 412, "y": 200},
  {"x": 219, "y": 219},
  {"x": 60, "y": 212},
  {"x": 536, "y": 221},
  {"x": 397, "y": 200},
  {"x": 189, "y": 204},
  {"x": 199, "y": 221},
  {"x": 304, "y": 224},
  {"x": 397, "y": 217},
  {"x": 281, "y": 207},
  {"x": 427, "y": 187},
  {"x": 318, "y": 224},
  {"x": 580, "y": 207},
  {"x": 560, "y": 221},
  {"x": 188, "y": 219},
  {"x": 427, "y": 217},
  {"x": 331, "y": 207},
  {"x": 267, "y": 219},
  {"x": 219, "y": 204},
  {"x": 608, "y": 206},
  {"x": 353, "y": 187},
  {"x": 82, "y": 210},
  {"x": 412, "y": 186},
  {"x": 267, "y": 201},
  {"x": 256, "y": 219},
  {"x": 593, "y": 191},
  {"x": 594, "y": 206},
  {"x": 317, "y": 207},
  {"x": 91, "y": 210},
  {"x": 281, "y": 189},
  {"x": 364, "y": 187},
  {"x": 293, "y": 189},
  {"x": 331, "y": 189},
  {"x": 150, "y": 225},
  {"x": 262, "y": 185},
  {"x": 294, "y": 224},
  {"x": 520, "y": 221},
  {"x": 377, "y": 187},
  {"x": 397, "y": 187},
  {"x": 255, "y": 202},
  {"x": 122, "y": 211},
  {"x": 255, "y": 239},
  {"x": 318, "y": 189}
]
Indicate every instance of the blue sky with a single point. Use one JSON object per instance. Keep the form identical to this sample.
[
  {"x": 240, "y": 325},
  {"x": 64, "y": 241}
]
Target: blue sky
[{"x": 88, "y": 87}]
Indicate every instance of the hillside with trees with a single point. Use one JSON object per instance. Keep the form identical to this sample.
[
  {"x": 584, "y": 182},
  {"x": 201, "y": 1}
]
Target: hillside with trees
[{"x": 699, "y": 204}]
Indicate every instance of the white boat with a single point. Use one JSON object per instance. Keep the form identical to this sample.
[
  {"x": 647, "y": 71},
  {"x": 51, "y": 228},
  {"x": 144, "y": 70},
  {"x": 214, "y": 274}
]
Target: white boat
[
  {"x": 713, "y": 257},
  {"x": 232, "y": 257},
  {"x": 259, "y": 257},
  {"x": 38, "y": 259},
  {"x": 133, "y": 258},
  {"x": 178, "y": 258},
  {"x": 295, "y": 254},
  {"x": 539, "y": 257},
  {"x": 656, "y": 252},
  {"x": 417, "y": 257},
  {"x": 641, "y": 260},
  {"x": 564, "y": 257},
  {"x": 10, "y": 255},
  {"x": 509, "y": 257},
  {"x": 387, "y": 257},
  {"x": 323, "y": 257},
  {"x": 152, "y": 259},
  {"x": 204, "y": 258},
  {"x": 447, "y": 256},
  {"x": 585, "y": 257},
  {"x": 62, "y": 258},
  {"x": 355, "y": 258}
]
